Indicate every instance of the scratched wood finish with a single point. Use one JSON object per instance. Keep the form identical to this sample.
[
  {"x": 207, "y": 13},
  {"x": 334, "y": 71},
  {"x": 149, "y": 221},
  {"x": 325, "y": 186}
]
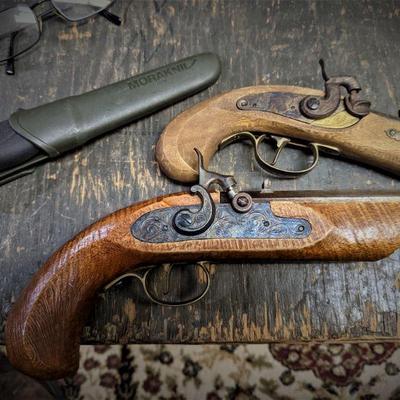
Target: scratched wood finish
[
  {"x": 259, "y": 43},
  {"x": 44, "y": 326}
]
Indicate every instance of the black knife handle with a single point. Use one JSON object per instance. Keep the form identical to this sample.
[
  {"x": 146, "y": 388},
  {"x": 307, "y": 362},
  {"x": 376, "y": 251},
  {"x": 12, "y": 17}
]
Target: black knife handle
[{"x": 14, "y": 148}]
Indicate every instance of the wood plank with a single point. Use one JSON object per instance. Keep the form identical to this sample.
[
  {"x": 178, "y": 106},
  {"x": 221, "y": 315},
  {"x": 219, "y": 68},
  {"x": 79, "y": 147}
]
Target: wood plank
[{"x": 260, "y": 42}]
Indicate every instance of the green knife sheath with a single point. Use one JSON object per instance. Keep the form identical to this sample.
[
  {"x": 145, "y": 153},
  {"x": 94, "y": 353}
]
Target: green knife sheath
[{"x": 70, "y": 122}]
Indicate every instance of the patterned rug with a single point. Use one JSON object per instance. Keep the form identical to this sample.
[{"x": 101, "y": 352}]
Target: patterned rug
[{"x": 363, "y": 371}]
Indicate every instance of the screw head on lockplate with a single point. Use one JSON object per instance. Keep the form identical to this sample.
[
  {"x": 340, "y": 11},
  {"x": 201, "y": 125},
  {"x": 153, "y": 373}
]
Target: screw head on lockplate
[
  {"x": 313, "y": 103},
  {"x": 242, "y": 202},
  {"x": 242, "y": 103},
  {"x": 184, "y": 219}
]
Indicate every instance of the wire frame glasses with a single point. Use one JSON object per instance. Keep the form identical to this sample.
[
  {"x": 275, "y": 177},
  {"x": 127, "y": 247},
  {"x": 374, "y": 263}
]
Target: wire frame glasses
[{"x": 21, "y": 25}]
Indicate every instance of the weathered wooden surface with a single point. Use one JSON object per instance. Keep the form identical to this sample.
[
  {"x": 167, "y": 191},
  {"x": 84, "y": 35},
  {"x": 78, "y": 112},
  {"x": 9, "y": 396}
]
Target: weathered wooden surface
[{"x": 259, "y": 43}]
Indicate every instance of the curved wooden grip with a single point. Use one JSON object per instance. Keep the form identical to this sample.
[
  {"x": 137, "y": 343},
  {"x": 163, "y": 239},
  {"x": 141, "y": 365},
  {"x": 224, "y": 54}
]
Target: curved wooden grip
[
  {"x": 45, "y": 324},
  {"x": 205, "y": 125}
]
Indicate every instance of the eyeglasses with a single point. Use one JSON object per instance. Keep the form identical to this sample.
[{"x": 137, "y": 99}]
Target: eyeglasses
[{"x": 21, "y": 25}]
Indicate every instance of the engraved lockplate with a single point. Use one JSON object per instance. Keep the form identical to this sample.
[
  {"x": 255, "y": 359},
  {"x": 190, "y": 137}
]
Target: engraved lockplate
[
  {"x": 259, "y": 223},
  {"x": 288, "y": 105}
]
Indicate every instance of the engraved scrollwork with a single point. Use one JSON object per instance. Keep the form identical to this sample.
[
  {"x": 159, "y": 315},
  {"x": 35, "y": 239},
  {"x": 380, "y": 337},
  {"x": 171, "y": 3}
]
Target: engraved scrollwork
[
  {"x": 259, "y": 223},
  {"x": 152, "y": 228}
]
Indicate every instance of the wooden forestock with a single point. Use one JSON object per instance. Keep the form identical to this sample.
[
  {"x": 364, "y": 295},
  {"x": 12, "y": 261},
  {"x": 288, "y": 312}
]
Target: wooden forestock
[
  {"x": 206, "y": 124},
  {"x": 44, "y": 326}
]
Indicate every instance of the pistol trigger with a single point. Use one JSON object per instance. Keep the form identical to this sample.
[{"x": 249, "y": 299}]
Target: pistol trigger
[
  {"x": 281, "y": 143},
  {"x": 161, "y": 302},
  {"x": 168, "y": 267}
]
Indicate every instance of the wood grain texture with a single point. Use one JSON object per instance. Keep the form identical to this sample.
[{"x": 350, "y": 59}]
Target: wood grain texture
[
  {"x": 215, "y": 119},
  {"x": 44, "y": 326},
  {"x": 267, "y": 43}
]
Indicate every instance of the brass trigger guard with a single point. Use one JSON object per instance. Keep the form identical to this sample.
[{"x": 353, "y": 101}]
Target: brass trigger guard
[
  {"x": 142, "y": 278},
  {"x": 281, "y": 143}
]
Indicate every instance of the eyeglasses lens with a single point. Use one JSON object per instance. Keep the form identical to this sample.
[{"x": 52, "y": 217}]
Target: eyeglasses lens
[
  {"x": 75, "y": 10},
  {"x": 19, "y": 31}
]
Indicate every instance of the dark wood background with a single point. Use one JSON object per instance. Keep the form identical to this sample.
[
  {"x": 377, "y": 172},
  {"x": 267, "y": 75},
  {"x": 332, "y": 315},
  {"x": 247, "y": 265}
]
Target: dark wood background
[{"x": 259, "y": 42}]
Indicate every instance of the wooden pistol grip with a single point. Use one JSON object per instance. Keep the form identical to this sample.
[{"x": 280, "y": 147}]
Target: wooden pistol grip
[
  {"x": 44, "y": 326},
  {"x": 206, "y": 124}
]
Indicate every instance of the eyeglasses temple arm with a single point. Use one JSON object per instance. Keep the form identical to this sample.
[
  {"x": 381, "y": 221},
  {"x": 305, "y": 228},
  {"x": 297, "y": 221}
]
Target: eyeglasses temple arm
[
  {"x": 10, "y": 65},
  {"x": 114, "y": 19}
]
